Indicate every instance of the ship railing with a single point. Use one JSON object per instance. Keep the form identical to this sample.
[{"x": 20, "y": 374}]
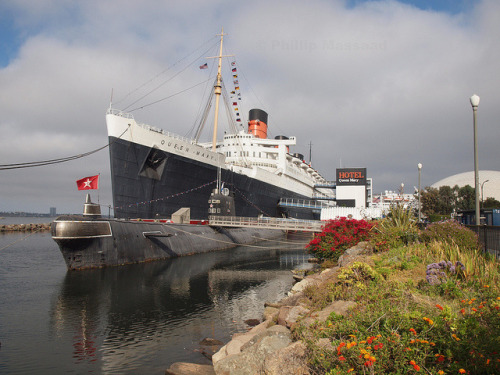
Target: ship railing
[
  {"x": 304, "y": 203},
  {"x": 118, "y": 112},
  {"x": 326, "y": 184},
  {"x": 266, "y": 223}
]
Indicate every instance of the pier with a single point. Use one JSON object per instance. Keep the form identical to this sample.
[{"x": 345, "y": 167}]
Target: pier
[{"x": 266, "y": 223}]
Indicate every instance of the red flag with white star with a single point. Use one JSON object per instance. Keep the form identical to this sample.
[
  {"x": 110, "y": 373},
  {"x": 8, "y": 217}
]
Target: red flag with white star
[{"x": 88, "y": 183}]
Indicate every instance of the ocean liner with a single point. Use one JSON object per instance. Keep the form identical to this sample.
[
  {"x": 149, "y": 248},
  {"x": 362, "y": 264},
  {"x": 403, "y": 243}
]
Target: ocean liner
[{"x": 155, "y": 172}]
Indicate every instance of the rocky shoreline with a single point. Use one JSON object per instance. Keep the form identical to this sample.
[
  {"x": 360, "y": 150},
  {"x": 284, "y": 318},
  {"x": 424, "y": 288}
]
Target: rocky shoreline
[
  {"x": 40, "y": 227},
  {"x": 268, "y": 348}
]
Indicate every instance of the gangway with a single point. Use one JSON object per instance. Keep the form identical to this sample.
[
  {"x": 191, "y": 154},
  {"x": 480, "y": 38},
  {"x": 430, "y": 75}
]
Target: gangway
[
  {"x": 327, "y": 185},
  {"x": 266, "y": 223},
  {"x": 314, "y": 203}
]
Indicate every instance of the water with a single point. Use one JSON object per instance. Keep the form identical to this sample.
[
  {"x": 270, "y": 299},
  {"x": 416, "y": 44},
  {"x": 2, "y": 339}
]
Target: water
[{"x": 132, "y": 319}]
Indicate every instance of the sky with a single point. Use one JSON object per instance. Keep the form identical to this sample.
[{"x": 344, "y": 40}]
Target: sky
[{"x": 378, "y": 84}]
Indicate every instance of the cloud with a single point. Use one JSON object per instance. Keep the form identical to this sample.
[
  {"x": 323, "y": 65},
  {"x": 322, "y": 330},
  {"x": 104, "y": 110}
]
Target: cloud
[{"x": 380, "y": 84}]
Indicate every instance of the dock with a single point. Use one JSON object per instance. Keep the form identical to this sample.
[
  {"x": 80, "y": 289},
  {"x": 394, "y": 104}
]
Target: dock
[{"x": 266, "y": 223}]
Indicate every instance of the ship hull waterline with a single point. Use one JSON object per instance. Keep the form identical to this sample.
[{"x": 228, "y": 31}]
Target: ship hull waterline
[{"x": 87, "y": 243}]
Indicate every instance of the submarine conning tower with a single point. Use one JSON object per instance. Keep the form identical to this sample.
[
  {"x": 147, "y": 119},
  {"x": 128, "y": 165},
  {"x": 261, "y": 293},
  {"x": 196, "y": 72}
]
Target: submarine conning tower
[
  {"x": 91, "y": 209},
  {"x": 257, "y": 123}
]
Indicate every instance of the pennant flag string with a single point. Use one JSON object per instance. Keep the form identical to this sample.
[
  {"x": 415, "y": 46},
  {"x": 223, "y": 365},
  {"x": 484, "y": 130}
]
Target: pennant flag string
[{"x": 137, "y": 204}]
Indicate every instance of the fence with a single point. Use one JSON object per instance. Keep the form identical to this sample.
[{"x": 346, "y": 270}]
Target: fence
[{"x": 489, "y": 236}]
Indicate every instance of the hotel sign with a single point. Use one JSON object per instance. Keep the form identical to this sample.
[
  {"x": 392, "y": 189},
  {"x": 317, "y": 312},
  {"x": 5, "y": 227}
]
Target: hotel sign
[{"x": 351, "y": 176}]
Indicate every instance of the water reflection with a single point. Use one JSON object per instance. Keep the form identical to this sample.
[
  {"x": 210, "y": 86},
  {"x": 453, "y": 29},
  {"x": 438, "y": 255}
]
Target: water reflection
[{"x": 147, "y": 316}]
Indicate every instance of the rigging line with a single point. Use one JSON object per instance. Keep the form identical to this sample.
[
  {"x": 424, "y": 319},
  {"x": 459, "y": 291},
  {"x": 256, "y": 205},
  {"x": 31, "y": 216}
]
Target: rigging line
[
  {"x": 19, "y": 240},
  {"x": 55, "y": 161},
  {"x": 204, "y": 117},
  {"x": 285, "y": 242},
  {"x": 163, "y": 71},
  {"x": 168, "y": 97},
  {"x": 202, "y": 112},
  {"x": 221, "y": 241},
  {"x": 165, "y": 82}
]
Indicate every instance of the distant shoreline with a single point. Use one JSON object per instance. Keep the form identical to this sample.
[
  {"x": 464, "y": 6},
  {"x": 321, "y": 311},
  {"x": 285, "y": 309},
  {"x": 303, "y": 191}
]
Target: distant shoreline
[{"x": 33, "y": 227}]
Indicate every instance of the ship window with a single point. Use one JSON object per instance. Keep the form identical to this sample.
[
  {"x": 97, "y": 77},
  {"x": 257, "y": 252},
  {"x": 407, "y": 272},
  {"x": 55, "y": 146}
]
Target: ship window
[{"x": 154, "y": 164}]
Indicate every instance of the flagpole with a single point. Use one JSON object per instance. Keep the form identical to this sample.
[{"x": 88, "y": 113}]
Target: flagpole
[
  {"x": 217, "y": 93},
  {"x": 98, "y": 198}
]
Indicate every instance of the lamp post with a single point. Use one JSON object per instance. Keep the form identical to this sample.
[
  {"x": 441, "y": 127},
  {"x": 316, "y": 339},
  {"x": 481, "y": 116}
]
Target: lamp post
[
  {"x": 482, "y": 196},
  {"x": 474, "y": 101},
  {"x": 419, "y": 166}
]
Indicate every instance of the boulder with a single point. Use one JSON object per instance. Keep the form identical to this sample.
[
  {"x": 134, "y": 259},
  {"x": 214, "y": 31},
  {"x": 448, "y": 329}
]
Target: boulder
[
  {"x": 238, "y": 340},
  {"x": 251, "y": 360},
  {"x": 288, "y": 315},
  {"x": 350, "y": 255},
  {"x": 207, "y": 341},
  {"x": 182, "y": 368},
  {"x": 270, "y": 313},
  {"x": 290, "y": 360}
]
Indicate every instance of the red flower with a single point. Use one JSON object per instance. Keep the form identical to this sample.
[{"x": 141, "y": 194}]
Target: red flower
[{"x": 439, "y": 307}]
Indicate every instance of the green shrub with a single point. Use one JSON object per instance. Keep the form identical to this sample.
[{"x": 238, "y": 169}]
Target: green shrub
[
  {"x": 398, "y": 228},
  {"x": 451, "y": 232}
]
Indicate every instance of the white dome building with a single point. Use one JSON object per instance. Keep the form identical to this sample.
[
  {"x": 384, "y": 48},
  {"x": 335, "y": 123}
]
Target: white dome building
[{"x": 490, "y": 180}]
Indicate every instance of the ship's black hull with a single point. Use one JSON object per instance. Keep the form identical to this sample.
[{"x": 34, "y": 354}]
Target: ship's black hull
[
  {"x": 141, "y": 191},
  {"x": 95, "y": 243}
]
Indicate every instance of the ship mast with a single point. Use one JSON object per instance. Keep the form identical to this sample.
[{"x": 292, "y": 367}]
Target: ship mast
[{"x": 218, "y": 91}]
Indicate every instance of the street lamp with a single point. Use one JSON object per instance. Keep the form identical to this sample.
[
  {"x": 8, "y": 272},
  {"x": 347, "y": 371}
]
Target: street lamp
[
  {"x": 482, "y": 196},
  {"x": 419, "y": 166},
  {"x": 474, "y": 101}
]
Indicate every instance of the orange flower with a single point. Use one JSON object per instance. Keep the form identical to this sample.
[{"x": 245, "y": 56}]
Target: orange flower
[
  {"x": 416, "y": 367},
  {"x": 413, "y": 331},
  {"x": 341, "y": 358},
  {"x": 462, "y": 311},
  {"x": 462, "y": 371},
  {"x": 440, "y": 372},
  {"x": 412, "y": 362},
  {"x": 439, "y": 307},
  {"x": 350, "y": 370},
  {"x": 428, "y": 320},
  {"x": 440, "y": 357}
]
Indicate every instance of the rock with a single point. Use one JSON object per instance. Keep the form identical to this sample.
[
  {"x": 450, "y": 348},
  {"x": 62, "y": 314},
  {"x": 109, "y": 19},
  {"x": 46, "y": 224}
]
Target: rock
[
  {"x": 238, "y": 340},
  {"x": 324, "y": 343},
  {"x": 251, "y": 360},
  {"x": 338, "y": 307},
  {"x": 287, "y": 361},
  {"x": 207, "y": 341},
  {"x": 252, "y": 322},
  {"x": 182, "y": 368},
  {"x": 270, "y": 304},
  {"x": 350, "y": 255},
  {"x": 288, "y": 315},
  {"x": 301, "y": 285},
  {"x": 270, "y": 313}
]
